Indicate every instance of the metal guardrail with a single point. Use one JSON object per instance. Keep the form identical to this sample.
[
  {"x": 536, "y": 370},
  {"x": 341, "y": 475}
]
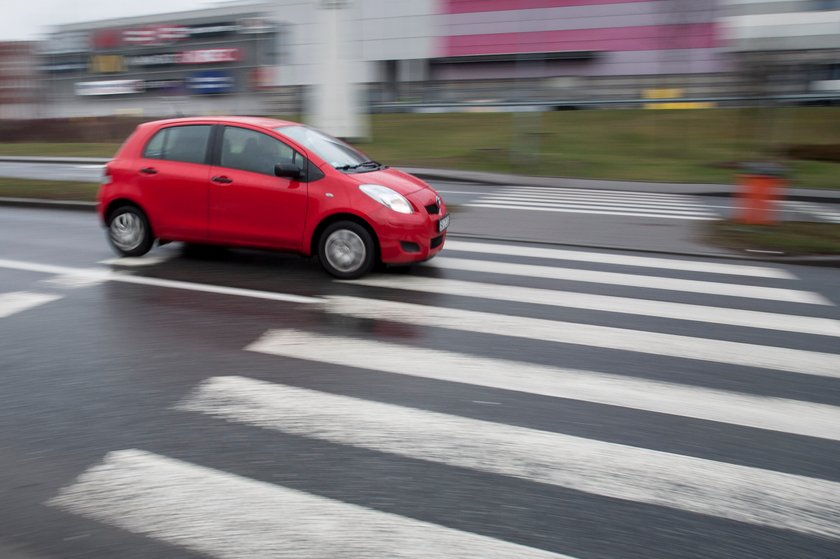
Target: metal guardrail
[{"x": 549, "y": 104}]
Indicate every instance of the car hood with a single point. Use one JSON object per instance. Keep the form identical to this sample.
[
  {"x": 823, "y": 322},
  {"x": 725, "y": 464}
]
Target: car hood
[{"x": 394, "y": 179}]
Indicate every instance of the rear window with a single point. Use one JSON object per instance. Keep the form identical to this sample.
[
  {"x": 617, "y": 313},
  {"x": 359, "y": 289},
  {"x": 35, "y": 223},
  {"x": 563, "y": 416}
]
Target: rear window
[{"x": 179, "y": 143}]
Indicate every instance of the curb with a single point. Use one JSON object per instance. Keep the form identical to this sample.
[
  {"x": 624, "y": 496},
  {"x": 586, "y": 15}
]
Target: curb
[
  {"x": 57, "y": 160},
  {"x": 48, "y": 204},
  {"x": 825, "y": 261}
]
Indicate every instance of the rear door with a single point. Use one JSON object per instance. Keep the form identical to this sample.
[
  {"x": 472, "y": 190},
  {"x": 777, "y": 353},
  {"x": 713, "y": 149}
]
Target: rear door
[
  {"x": 173, "y": 174},
  {"x": 248, "y": 203}
]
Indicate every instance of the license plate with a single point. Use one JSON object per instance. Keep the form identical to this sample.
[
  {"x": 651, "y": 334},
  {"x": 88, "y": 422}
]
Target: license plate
[{"x": 443, "y": 223}]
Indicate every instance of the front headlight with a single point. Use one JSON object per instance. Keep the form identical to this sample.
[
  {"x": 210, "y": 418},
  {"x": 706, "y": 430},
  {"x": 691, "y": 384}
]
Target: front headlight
[{"x": 387, "y": 197}]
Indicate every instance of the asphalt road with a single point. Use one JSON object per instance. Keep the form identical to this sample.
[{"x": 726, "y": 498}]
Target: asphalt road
[{"x": 502, "y": 400}]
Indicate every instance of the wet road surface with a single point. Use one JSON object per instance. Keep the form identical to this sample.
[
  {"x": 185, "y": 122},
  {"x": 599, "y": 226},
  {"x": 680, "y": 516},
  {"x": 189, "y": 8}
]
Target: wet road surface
[{"x": 502, "y": 400}]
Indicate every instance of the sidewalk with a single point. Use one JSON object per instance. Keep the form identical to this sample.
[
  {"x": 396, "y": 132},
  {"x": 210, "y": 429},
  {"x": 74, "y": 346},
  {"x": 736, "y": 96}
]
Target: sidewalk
[{"x": 677, "y": 237}]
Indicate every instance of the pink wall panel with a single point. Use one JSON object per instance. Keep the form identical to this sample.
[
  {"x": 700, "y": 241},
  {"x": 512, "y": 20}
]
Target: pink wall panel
[
  {"x": 654, "y": 37},
  {"x": 471, "y": 6}
]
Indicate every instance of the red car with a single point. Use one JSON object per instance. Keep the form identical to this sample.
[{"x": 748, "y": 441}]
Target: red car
[{"x": 266, "y": 183}]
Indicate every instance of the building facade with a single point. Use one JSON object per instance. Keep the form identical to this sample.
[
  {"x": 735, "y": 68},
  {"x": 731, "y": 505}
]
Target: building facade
[
  {"x": 217, "y": 60},
  {"x": 288, "y": 56},
  {"x": 19, "y": 87},
  {"x": 785, "y": 46}
]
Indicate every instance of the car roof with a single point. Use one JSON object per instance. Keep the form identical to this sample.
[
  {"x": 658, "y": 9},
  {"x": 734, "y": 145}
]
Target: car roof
[{"x": 251, "y": 120}]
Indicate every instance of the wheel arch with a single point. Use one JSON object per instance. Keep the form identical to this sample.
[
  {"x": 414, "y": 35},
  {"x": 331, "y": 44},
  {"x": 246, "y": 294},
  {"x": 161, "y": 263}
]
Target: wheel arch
[{"x": 342, "y": 216}]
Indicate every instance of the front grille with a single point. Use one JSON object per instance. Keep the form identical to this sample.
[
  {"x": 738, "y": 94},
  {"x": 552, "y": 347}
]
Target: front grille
[
  {"x": 433, "y": 209},
  {"x": 436, "y": 242}
]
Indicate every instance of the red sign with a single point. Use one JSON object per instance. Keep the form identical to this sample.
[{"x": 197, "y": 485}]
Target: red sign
[
  {"x": 155, "y": 34},
  {"x": 209, "y": 56},
  {"x": 106, "y": 39}
]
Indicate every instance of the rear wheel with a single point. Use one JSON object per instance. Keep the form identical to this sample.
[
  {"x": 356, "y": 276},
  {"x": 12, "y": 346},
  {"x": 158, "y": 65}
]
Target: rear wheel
[
  {"x": 129, "y": 231},
  {"x": 346, "y": 250}
]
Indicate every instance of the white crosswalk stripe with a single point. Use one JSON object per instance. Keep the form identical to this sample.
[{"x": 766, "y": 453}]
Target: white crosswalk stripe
[
  {"x": 605, "y": 202},
  {"x": 820, "y": 211},
  {"x": 618, "y": 259},
  {"x": 227, "y": 516},
  {"x": 195, "y": 507},
  {"x": 774, "y": 414},
  {"x": 19, "y": 301},
  {"x": 607, "y": 337},
  {"x": 632, "y": 280},
  {"x": 609, "y": 303},
  {"x": 703, "y": 486}
]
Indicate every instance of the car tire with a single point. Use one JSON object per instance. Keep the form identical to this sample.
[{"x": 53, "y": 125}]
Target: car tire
[
  {"x": 129, "y": 232},
  {"x": 346, "y": 250}
]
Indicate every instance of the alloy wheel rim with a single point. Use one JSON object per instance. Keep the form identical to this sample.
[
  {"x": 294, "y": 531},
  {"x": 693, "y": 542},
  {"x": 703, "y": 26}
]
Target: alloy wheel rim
[
  {"x": 345, "y": 250},
  {"x": 127, "y": 231}
]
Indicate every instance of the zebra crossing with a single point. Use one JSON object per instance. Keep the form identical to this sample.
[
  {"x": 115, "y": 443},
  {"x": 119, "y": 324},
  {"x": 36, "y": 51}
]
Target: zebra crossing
[
  {"x": 822, "y": 212},
  {"x": 500, "y": 296},
  {"x": 596, "y": 202}
]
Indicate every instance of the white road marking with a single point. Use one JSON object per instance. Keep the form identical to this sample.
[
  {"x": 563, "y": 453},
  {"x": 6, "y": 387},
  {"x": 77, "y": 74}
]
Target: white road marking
[
  {"x": 73, "y": 281},
  {"x": 231, "y": 517},
  {"x": 620, "y": 259},
  {"x": 607, "y": 337},
  {"x": 137, "y": 262},
  {"x": 815, "y": 209},
  {"x": 580, "y": 211},
  {"x": 19, "y": 301},
  {"x": 739, "y": 493},
  {"x": 613, "y": 203},
  {"x": 591, "y": 206},
  {"x": 109, "y": 275},
  {"x": 632, "y": 280},
  {"x": 590, "y": 191},
  {"x": 759, "y": 412},
  {"x": 630, "y": 199},
  {"x": 607, "y": 303}
]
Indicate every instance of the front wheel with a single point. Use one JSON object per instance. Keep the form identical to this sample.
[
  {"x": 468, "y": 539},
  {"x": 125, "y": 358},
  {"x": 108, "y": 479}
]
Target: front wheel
[
  {"x": 346, "y": 250},
  {"x": 129, "y": 231}
]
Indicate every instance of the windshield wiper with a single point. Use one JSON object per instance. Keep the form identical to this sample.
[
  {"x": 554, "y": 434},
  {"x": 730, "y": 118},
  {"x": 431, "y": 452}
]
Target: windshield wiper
[{"x": 366, "y": 164}]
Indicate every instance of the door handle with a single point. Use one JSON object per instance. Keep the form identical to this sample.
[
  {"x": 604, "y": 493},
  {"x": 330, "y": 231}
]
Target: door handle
[
  {"x": 148, "y": 171},
  {"x": 222, "y": 180}
]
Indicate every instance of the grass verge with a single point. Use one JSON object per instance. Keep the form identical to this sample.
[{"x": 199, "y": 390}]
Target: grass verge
[
  {"x": 48, "y": 190},
  {"x": 789, "y": 237},
  {"x": 687, "y": 146}
]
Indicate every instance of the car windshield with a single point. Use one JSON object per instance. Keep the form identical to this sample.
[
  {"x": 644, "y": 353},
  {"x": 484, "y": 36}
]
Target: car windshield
[{"x": 332, "y": 150}]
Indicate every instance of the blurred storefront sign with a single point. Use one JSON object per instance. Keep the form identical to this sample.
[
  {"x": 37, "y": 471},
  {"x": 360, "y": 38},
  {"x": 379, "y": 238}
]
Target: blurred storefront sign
[
  {"x": 211, "y": 82},
  {"x": 109, "y": 87},
  {"x": 68, "y": 67},
  {"x": 164, "y": 86},
  {"x": 201, "y": 56},
  {"x": 209, "y": 56},
  {"x": 263, "y": 77},
  {"x": 67, "y": 42},
  {"x": 106, "y": 64},
  {"x": 255, "y": 25}
]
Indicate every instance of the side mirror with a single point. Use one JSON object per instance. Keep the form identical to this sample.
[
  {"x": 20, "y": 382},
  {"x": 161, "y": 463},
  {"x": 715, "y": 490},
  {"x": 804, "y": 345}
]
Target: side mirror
[{"x": 287, "y": 170}]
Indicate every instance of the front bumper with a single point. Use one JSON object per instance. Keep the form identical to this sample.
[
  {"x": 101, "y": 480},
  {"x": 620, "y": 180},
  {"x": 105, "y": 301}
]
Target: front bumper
[{"x": 411, "y": 238}]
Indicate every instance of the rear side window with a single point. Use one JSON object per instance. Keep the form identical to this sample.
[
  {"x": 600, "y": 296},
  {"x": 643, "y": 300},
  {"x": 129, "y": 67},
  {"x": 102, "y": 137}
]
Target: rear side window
[
  {"x": 179, "y": 143},
  {"x": 254, "y": 151}
]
